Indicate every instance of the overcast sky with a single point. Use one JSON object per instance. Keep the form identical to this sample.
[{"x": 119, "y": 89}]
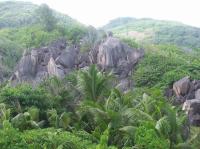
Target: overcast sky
[{"x": 99, "y": 12}]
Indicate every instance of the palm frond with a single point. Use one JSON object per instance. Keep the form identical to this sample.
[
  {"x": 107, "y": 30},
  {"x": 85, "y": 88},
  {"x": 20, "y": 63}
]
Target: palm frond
[
  {"x": 163, "y": 126},
  {"x": 130, "y": 130}
]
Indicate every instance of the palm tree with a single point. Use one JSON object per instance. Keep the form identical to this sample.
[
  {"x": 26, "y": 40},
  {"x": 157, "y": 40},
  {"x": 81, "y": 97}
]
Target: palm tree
[
  {"x": 93, "y": 84},
  {"x": 173, "y": 126},
  {"x": 121, "y": 115},
  {"x": 113, "y": 113}
]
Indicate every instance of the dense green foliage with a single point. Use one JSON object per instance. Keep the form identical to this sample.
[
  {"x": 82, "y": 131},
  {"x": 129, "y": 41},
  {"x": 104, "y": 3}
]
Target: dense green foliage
[
  {"x": 82, "y": 113},
  {"x": 14, "y": 14},
  {"x": 164, "y": 64},
  {"x": 25, "y": 95},
  {"x": 85, "y": 110},
  {"x": 155, "y": 31},
  {"x": 48, "y": 20},
  {"x": 20, "y": 14},
  {"x": 42, "y": 138},
  {"x": 149, "y": 139}
]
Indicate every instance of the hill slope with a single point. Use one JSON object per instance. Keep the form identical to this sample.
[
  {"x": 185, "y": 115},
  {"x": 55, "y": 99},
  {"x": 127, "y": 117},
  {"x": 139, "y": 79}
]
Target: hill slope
[
  {"x": 18, "y": 14},
  {"x": 15, "y": 14},
  {"x": 20, "y": 29},
  {"x": 156, "y": 31}
]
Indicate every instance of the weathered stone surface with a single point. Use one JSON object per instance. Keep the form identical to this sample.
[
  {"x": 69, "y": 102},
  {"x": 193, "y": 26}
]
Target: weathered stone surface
[
  {"x": 27, "y": 65},
  {"x": 187, "y": 92},
  {"x": 181, "y": 87},
  {"x": 184, "y": 89},
  {"x": 67, "y": 58},
  {"x": 197, "y": 94},
  {"x": 192, "y": 108},
  {"x": 116, "y": 55},
  {"x": 196, "y": 84},
  {"x": 191, "y": 92},
  {"x": 53, "y": 69},
  {"x": 58, "y": 59},
  {"x": 41, "y": 63}
]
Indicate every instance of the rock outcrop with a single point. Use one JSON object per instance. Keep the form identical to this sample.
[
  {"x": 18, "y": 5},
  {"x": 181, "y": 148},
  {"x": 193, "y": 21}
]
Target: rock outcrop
[
  {"x": 58, "y": 59},
  {"x": 197, "y": 94},
  {"x": 185, "y": 89},
  {"x": 187, "y": 93},
  {"x": 114, "y": 54},
  {"x": 44, "y": 62},
  {"x": 181, "y": 87},
  {"x": 192, "y": 108}
]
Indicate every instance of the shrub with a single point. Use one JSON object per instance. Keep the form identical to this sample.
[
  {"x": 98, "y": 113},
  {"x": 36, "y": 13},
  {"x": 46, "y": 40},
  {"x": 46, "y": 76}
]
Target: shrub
[
  {"x": 147, "y": 138},
  {"x": 163, "y": 65},
  {"x": 131, "y": 42},
  {"x": 41, "y": 138},
  {"x": 23, "y": 96}
]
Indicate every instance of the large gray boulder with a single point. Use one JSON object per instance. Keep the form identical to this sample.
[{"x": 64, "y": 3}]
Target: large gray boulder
[
  {"x": 187, "y": 93},
  {"x": 54, "y": 70},
  {"x": 184, "y": 89},
  {"x": 28, "y": 64},
  {"x": 181, "y": 87},
  {"x": 118, "y": 56},
  {"x": 68, "y": 58},
  {"x": 192, "y": 108}
]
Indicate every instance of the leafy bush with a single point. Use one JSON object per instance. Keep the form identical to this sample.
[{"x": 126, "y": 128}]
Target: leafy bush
[
  {"x": 10, "y": 52},
  {"x": 93, "y": 84},
  {"x": 41, "y": 138},
  {"x": 4, "y": 113},
  {"x": 147, "y": 138},
  {"x": 23, "y": 121},
  {"x": 131, "y": 42},
  {"x": 34, "y": 113},
  {"x": 165, "y": 64},
  {"x": 23, "y": 96}
]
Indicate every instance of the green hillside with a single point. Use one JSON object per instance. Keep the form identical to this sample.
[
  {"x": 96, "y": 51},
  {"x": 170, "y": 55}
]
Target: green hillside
[
  {"x": 18, "y": 14},
  {"x": 156, "y": 31},
  {"x": 86, "y": 109},
  {"x": 21, "y": 28}
]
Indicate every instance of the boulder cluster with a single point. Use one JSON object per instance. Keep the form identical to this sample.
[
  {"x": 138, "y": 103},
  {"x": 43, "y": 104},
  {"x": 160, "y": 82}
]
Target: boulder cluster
[
  {"x": 59, "y": 59},
  {"x": 187, "y": 94}
]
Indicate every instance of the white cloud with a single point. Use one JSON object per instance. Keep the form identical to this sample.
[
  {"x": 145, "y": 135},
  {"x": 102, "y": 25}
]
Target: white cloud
[{"x": 99, "y": 12}]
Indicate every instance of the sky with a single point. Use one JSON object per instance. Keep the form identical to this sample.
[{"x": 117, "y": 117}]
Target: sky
[{"x": 99, "y": 12}]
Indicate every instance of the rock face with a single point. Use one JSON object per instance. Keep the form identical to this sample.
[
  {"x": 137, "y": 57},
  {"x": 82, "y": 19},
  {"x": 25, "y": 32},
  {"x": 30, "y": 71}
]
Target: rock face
[
  {"x": 44, "y": 62},
  {"x": 185, "y": 89},
  {"x": 192, "y": 108},
  {"x": 58, "y": 59},
  {"x": 187, "y": 93},
  {"x": 114, "y": 54},
  {"x": 181, "y": 87},
  {"x": 197, "y": 94}
]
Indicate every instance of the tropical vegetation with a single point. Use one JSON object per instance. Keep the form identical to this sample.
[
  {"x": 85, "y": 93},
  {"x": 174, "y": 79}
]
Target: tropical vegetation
[{"x": 85, "y": 110}]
